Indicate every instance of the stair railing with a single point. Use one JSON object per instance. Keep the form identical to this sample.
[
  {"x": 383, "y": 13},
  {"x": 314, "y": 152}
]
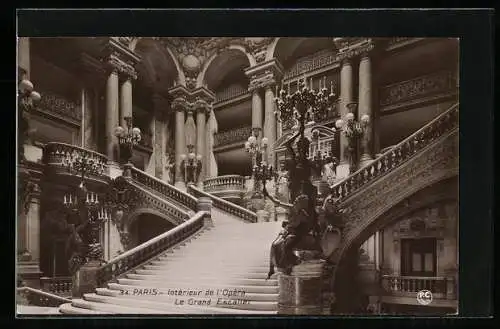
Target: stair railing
[
  {"x": 149, "y": 249},
  {"x": 160, "y": 187},
  {"x": 229, "y": 207},
  {"x": 37, "y": 297},
  {"x": 398, "y": 154}
]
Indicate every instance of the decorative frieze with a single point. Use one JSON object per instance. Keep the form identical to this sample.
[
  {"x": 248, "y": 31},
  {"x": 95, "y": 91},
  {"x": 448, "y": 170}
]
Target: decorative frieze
[
  {"x": 60, "y": 106},
  {"x": 428, "y": 85},
  {"x": 191, "y": 101},
  {"x": 266, "y": 74},
  {"x": 232, "y": 136}
]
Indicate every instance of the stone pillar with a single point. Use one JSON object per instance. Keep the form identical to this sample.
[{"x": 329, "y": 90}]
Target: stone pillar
[
  {"x": 256, "y": 110},
  {"x": 180, "y": 144},
  {"x": 365, "y": 107},
  {"x": 346, "y": 96},
  {"x": 23, "y": 57},
  {"x": 29, "y": 236},
  {"x": 205, "y": 204},
  {"x": 300, "y": 293},
  {"x": 126, "y": 101},
  {"x": 85, "y": 279},
  {"x": 159, "y": 137},
  {"x": 200, "y": 139},
  {"x": 270, "y": 123},
  {"x": 112, "y": 116}
]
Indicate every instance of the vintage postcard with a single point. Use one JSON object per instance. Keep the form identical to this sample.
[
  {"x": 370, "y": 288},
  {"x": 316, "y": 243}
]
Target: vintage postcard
[{"x": 237, "y": 175}]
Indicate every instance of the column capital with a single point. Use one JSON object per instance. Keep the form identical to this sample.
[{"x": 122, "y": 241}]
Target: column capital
[
  {"x": 119, "y": 58},
  {"x": 179, "y": 104},
  {"x": 353, "y": 47},
  {"x": 264, "y": 74}
]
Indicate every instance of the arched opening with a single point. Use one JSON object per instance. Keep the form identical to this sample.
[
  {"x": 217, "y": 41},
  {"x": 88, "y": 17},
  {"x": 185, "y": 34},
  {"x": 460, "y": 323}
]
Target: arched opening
[
  {"x": 418, "y": 250},
  {"x": 225, "y": 75},
  {"x": 146, "y": 226},
  {"x": 156, "y": 73},
  {"x": 287, "y": 49}
]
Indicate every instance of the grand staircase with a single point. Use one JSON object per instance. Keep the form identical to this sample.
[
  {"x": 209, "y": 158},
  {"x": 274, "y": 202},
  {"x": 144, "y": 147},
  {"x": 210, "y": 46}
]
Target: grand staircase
[
  {"x": 231, "y": 259},
  {"x": 221, "y": 268}
]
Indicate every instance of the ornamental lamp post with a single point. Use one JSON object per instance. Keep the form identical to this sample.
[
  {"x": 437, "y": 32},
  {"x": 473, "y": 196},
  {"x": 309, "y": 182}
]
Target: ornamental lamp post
[
  {"x": 128, "y": 137},
  {"x": 191, "y": 165},
  {"x": 91, "y": 213},
  {"x": 261, "y": 171},
  {"x": 27, "y": 100},
  {"x": 354, "y": 132}
]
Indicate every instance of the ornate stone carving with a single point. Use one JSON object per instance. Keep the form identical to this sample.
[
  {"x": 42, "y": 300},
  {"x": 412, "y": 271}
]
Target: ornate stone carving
[
  {"x": 232, "y": 136},
  {"x": 437, "y": 83},
  {"x": 118, "y": 57},
  {"x": 122, "y": 67},
  {"x": 258, "y": 47},
  {"x": 60, "y": 106},
  {"x": 266, "y": 74},
  {"x": 433, "y": 163}
]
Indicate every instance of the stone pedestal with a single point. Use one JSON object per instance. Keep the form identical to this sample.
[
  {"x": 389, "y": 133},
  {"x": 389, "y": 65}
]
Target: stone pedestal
[
  {"x": 85, "y": 280},
  {"x": 205, "y": 204},
  {"x": 301, "y": 291},
  {"x": 263, "y": 216},
  {"x": 281, "y": 214},
  {"x": 29, "y": 273}
]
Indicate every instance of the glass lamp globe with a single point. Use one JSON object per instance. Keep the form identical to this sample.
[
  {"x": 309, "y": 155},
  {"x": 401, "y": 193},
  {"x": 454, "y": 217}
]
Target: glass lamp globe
[
  {"x": 265, "y": 141},
  {"x": 35, "y": 96},
  {"x": 191, "y": 156},
  {"x": 339, "y": 123},
  {"x": 136, "y": 131},
  {"x": 365, "y": 118},
  {"x": 349, "y": 116},
  {"x": 251, "y": 139},
  {"x": 247, "y": 145},
  {"x": 25, "y": 86},
  {"x": 199, "y": 157},
  {"x": 119, "y": 131}
]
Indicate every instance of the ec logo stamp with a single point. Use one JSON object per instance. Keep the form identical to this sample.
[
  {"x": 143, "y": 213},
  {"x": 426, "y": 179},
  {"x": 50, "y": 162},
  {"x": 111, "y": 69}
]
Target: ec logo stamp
[{"x": 424, "y": 297}]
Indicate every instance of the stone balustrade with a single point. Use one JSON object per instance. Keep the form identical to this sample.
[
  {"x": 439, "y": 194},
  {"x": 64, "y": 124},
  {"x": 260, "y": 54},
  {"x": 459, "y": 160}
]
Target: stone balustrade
[
  {"x": 233, "y": 91},
  {"x": 35, "y": 297},
  {"x": 57, "y": 285},
  {"x": 441, "y": 287},
  {"x": 232, "y": 136},
  {"x": 164, "y": 189},
  {"x": 229, "y": 207},
  {"x": 398, "y": 154},
  {"x": 227, "y": 187},
  {"x": 65, "y": 158},
  {"x": 151, "y": 248}
]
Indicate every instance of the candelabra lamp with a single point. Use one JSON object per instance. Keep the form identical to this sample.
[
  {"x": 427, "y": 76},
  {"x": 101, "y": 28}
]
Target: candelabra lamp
[
  {"x": 191, "y": 165},
  {"x": 27, "y": 99},
  {"x": 90, "y": 213},
  {"x": 305, "y": 105},
  {"x": 261, "y": 171},
  {"x": 354, "y": 131},
  {"x": 128, "y": 137}
]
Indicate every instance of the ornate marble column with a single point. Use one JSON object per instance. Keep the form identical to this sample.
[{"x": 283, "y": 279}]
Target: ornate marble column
[
  {"x": 201, "y": 108},
  {"x": 126, "y": 100},
  {"x": 346, "y": 96},
  {"x": 256, "y": 110},
  {"x": 23, "y": 57},
  {"x": 179, "y": 106},
  {"x": 29, "y": 234},
  {"x": 159, "y": 134},
  {"x": 112, "y": 115},
  {"x": 210, "y": 164},
  {"x": 365, "y": 107}
]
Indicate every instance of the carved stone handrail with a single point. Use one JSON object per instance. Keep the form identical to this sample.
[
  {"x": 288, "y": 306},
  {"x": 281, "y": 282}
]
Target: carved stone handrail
[
  {"x": 57, "y": 285},
  {"x": 232, "y": 136},
  {"x": 63, "y": 157},
  {"x": 149, "y": 249},
  {"x": 229, "y": 207},
  {"x": 441, "y": 287},
  {"x": 162, "y": 187},
  {"x": 224, "y": 183},
  {"x": 41, "y": 298},
  {"x": 397, "y": 155}
]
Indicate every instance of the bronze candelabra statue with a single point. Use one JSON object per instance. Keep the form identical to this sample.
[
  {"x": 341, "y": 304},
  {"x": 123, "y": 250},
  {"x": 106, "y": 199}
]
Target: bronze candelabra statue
[
  {"x": 191, "y": 165},
  {"x": 128, "y": 137}
]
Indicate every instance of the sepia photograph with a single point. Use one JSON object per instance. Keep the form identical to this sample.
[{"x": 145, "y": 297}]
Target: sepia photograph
[{"x": 237, "y": 176}]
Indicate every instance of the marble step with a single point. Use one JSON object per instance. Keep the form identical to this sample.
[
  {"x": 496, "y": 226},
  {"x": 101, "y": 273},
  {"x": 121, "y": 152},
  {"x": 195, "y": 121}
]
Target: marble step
[
  {"x": 68, "y": 308},
  {"x": 91, "y": 302},
  {"x": 131, "y": 305},
  {"x": 221, "y": 265},
  {"x": 153, "y": 296},
  {"x": 204, "y": 279},
  {"x": 130, "y": 285},
  {"x": 172, "y": 274}
]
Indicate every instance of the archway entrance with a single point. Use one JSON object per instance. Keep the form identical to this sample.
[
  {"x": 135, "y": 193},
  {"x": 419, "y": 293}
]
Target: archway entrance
[{"x": 147, "y": 226}]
